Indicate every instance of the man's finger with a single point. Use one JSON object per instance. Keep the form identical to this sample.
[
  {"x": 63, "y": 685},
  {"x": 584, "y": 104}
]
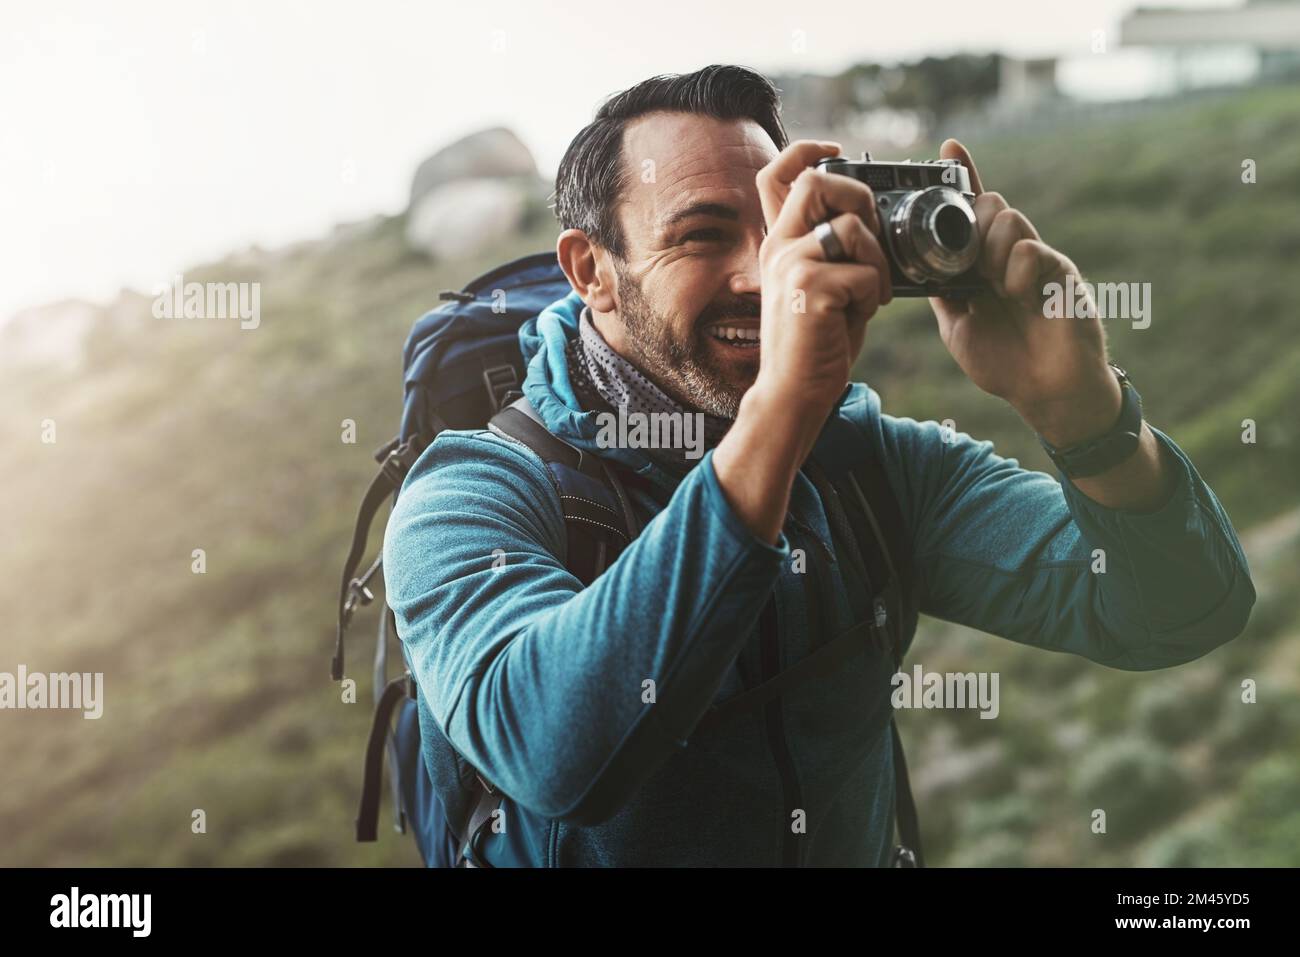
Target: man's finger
[
  {"x": 844, "y": 287},
  {"x": 1031, "y": 264},
  {"x": 867, "y": 289},
  {"x": 1008, "y": 228},
  {"x": 816, "y": 197},
  {"x": 987, "y": 206},
  {"x": 860, "y": 246},
  {"x": 951, "y": 149},
  {"x": 775, "y": 179}
]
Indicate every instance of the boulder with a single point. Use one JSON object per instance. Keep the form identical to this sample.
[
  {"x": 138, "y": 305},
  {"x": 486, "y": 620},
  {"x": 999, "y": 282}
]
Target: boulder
[
  {"x": 487, "y": 154},
  {"x": 472, "y": 194},
  {"x": 461, "y": 219}
]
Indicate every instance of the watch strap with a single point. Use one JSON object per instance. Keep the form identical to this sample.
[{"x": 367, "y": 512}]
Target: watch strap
[{"x": 1106, "y": 451}]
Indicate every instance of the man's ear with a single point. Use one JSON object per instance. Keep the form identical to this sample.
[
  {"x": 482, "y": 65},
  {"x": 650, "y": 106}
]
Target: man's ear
[{"x": 588, "y": 269}]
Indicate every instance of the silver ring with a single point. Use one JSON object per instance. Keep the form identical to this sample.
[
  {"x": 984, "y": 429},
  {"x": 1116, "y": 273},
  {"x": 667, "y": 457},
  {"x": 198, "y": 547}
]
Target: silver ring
[{"x": 831, "y": 246}]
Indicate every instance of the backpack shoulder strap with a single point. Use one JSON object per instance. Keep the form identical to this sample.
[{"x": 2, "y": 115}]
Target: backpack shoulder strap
[
  {"x": 598, "y": 514},
  {"x": 396, "y": 459},
  {"x": 862, "y": 508},
  {"x": 873, "y": 515},
  {"x": 599, "y": 523},
  {"x": 848, "y": 470},
  {"x": 876, "y": 557}
]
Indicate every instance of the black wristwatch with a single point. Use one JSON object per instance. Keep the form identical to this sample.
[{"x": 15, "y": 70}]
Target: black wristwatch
[{"x": 1106, "y": 451}]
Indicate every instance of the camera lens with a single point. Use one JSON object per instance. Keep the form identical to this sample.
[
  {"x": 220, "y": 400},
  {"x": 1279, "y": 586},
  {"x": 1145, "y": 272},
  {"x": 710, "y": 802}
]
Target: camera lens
[
  {"x": 932, "y": 235},
  {"x": 952, "y": 228}
]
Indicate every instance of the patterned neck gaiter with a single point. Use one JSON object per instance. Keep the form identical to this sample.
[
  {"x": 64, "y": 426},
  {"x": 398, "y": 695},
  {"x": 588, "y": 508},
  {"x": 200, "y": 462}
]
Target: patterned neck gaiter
[{"x": 603, "y": 380}]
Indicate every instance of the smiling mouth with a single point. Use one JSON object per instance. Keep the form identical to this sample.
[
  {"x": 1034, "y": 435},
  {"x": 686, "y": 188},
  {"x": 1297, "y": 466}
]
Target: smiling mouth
[{"x": 736, "y": 337}]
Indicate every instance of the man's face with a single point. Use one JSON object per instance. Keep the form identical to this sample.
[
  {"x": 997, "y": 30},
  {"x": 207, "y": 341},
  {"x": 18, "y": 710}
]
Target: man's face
[{"x": 688, "y": 290}]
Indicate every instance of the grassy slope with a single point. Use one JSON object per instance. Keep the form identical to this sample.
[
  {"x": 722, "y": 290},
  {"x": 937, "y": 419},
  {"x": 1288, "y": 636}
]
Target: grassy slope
[{"x": 199, "y": 435}]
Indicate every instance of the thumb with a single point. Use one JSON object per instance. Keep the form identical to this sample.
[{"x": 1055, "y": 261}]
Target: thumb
[{"x": 951, "y": 149}]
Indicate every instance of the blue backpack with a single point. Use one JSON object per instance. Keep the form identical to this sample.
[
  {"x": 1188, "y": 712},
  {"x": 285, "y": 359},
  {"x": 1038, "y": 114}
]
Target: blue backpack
[{"x": 463, "y": 369}]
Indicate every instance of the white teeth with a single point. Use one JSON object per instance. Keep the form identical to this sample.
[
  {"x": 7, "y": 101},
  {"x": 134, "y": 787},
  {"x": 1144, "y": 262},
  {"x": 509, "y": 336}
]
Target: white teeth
[{"x": 733, "y": 333}]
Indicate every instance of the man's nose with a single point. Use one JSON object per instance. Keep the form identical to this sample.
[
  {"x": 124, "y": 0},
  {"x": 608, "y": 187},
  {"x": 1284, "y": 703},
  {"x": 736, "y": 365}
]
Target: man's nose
[
  {"x": 745, "y": 279},
  {"x": 745, "y": 282}
]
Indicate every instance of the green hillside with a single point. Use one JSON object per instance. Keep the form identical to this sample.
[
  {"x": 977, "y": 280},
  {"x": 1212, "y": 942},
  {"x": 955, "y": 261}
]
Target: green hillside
[{"x": 181, "y": 436}]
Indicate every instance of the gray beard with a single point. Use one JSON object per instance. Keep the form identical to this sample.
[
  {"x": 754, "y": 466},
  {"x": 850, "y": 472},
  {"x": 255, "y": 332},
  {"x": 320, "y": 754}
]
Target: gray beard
[{"x": 685, "y": 371}]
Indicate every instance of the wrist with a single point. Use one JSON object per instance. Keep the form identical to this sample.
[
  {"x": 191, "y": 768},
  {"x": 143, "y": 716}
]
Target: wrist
[
  {"x": 1079, "y": 417},
  {"x": 757, "y": 460},
  {"x": 773, "y": 433},
  {"x": 787, "y": 419}
]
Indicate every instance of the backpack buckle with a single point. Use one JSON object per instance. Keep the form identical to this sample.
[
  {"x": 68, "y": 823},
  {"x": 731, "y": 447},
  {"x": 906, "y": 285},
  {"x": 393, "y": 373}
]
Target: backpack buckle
[
  {"x": 499, "y": 381},
  {"x": 903, "y": 857},
  {"x": 382, "y": 452},
  {"x": 398, "y": 462},
  {"x": 359, "y": 595}
]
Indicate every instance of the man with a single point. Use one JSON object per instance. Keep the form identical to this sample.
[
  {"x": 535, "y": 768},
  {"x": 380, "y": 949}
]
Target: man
[{"x": 688, "y": 225}]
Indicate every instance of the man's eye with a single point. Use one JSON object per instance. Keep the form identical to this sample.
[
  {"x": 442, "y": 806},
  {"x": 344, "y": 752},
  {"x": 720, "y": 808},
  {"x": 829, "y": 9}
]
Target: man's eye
[{"x": 703, "y": 235}]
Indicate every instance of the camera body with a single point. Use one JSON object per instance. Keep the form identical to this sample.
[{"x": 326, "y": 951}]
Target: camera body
[{"x": 930, "y": 237}]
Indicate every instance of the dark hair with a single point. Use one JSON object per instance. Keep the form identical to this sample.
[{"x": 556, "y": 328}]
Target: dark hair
[{"x": 592, "y": 173}]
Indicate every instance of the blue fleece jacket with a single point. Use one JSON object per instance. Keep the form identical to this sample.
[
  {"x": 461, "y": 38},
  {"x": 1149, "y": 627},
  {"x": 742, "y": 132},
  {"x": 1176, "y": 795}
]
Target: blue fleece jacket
[{"x": 542, "y": 684}]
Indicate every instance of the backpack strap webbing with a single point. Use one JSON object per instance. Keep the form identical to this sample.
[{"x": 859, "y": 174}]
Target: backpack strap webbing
[
  {"x": 367, "y": 820},
  {"x": 396, "y": 459},
  {"x": 873, "y": 557},
  {"x": 595, "y": 530},
  {"x": 821, "y": 662},
  {"x": 909, "y": 824},
  {"x": 863, "y": 499}
]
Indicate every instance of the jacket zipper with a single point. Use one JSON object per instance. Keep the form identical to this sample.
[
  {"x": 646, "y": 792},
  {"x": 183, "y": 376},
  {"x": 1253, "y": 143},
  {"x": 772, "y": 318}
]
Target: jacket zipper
[{"x": 774, "y": 721}]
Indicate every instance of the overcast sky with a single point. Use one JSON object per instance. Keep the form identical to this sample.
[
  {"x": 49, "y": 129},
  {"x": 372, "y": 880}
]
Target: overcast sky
[{"x": 140, "y": 139}]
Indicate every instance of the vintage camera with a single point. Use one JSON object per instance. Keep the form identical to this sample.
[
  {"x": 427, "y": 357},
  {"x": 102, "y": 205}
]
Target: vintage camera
[{"x": 930, "y": 237}]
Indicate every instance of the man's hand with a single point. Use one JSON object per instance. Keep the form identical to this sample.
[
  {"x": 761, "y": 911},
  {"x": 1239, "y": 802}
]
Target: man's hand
[
  {"x": 815, "y": 312},
  {"x": 813, "y": 324},
  {"x": 1052, "y": 371}
]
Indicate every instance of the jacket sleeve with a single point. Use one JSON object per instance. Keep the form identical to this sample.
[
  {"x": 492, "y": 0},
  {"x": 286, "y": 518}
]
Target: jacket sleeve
[
  {"x": 1019, "y": 554},
  {"x": 536, "y": 681}
]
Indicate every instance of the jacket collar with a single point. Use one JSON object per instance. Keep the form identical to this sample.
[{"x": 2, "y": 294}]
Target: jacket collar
[{"x": 547, "y": 387}]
